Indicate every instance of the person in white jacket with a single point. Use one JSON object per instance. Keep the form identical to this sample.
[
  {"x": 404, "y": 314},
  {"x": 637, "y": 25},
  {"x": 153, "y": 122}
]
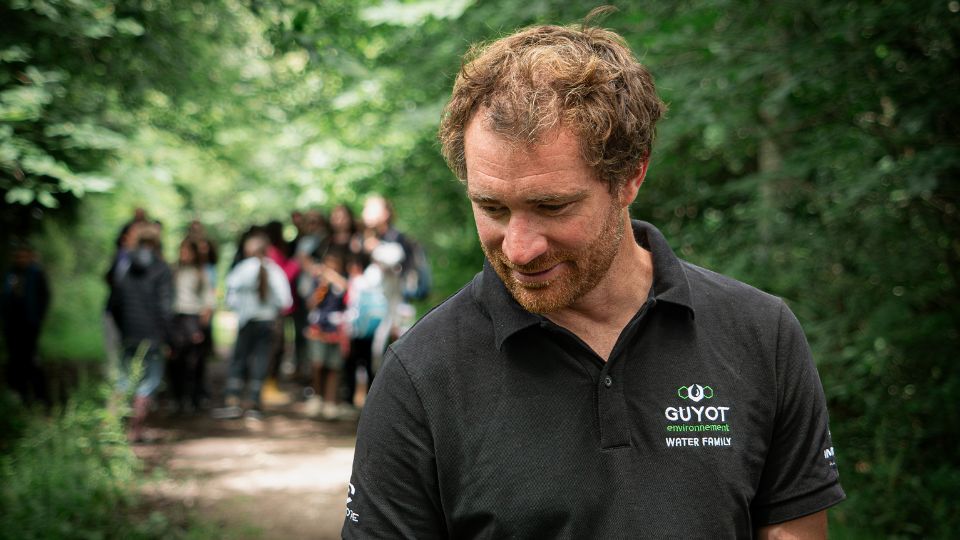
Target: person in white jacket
[{"x": 257, "y": 291}]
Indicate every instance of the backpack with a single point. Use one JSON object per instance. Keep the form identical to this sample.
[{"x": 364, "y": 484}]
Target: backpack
[{"x": 368, "y": 308}]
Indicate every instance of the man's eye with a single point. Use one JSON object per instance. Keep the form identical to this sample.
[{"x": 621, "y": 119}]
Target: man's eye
[
  {"x": 554, "y": 208},
  {"x": 492, "y": 210}
]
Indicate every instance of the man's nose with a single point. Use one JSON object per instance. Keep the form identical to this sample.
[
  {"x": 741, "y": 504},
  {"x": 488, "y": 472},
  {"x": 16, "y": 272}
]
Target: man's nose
[{"x": 523, "y": 241}]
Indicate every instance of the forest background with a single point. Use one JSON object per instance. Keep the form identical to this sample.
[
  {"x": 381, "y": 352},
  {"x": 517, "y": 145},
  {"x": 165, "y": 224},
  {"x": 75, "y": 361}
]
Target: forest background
[{"x": 811, "y": 149}]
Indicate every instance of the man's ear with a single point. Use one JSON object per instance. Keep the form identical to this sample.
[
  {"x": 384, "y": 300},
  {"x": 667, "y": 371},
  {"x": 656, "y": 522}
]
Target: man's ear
[{"x": 628, "y": 192}]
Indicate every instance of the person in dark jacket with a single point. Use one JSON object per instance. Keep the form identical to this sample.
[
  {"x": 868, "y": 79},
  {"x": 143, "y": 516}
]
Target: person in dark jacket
[
  {"x": 142, "y": 305},
  {"x": 24, "y": 298}
]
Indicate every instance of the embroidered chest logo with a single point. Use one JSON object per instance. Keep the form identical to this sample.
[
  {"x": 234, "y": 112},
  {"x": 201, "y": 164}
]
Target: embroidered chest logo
[
  {"x": 709, "y": 420},
  {"x": 695, "y": 392}
]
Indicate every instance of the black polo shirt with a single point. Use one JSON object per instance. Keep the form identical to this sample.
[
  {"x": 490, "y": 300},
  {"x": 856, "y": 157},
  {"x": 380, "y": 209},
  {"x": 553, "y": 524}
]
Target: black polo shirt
[{"x": 488, "y": 421}]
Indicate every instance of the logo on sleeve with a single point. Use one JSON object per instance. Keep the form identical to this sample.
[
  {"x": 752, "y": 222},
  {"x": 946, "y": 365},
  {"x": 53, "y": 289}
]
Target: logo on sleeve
[
  {"x": 351, "y": 515},
  {"x": 713, "y": 418},
  {"x": 831, "y": 457}
]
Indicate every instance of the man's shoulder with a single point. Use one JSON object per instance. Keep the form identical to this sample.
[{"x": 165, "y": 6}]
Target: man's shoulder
[
  {"x": 162, "y": 268},
  {"x": 446, "y": 328},
  {"x": 714, "y": 292}
]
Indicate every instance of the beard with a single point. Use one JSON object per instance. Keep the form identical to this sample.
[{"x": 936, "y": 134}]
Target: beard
[{"x": 584, "y": 268}]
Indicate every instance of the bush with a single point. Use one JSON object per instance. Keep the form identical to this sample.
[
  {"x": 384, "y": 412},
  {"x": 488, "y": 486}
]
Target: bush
[{"x": 72, "y": 475}]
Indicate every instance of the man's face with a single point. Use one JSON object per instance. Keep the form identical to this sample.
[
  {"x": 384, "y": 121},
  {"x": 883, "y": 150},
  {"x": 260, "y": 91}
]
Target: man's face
[{"x": 549, "y": 227}]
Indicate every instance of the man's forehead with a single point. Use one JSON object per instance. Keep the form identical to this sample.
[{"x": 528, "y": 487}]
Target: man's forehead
[{"x": 480, "y": 125}]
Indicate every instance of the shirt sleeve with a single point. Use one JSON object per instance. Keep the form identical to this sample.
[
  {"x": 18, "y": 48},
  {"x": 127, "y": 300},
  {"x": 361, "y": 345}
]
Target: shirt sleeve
[
  {"x": 800, "y": 475},
  {"x": 393, "y": 491}
]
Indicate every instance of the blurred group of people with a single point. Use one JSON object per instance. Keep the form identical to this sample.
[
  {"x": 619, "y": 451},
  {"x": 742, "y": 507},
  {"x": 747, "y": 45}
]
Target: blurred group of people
[
  {"x": 316, "y": 311},
  {"x": 348, "y": 284}
]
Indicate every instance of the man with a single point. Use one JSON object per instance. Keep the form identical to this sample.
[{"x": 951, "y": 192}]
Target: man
[
  {"x": 24, "y": 299},
  {"x": 142, "y": 305},
  {"x": 587, "y": 383}
]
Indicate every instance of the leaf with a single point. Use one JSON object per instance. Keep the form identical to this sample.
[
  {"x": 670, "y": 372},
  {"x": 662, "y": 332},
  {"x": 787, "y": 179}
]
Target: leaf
[
  {"x": 44, "y": 165},
  {"x": 130, "y": 27},
  {"x": 86, "y": 135},
  {"x": 46, "y": 199},
  {"x": 96, "y": 184},
  {"x": 19, "y": 196},
  {"x": 23, "y": 103},
  {"x": 15, "y": 53}
]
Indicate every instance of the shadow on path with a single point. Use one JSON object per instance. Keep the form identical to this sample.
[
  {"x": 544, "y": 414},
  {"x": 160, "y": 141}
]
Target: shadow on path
[{"x": 284, "y": 476}]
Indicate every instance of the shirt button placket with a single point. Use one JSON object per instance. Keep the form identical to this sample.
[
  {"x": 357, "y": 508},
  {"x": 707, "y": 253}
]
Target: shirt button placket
[{"x": 614, "y": 428}]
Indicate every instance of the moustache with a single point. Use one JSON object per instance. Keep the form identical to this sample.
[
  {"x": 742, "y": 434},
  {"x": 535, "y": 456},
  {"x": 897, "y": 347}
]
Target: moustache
[{"x": 540, "y": 264}]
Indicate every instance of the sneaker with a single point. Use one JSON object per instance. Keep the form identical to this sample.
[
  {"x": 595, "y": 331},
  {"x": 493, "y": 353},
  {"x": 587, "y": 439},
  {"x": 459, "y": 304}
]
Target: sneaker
[
  {"x": 253, "y": 414},
  {"x": 270, "y": 394},
  {"x": 313, "y": 407},
  {"x": 330, "y": 412},
  {"x": 227, "y": 413}
]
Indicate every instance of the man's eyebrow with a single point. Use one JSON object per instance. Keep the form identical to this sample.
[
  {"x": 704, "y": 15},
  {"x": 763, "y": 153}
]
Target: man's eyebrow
[
  {"x": 546, "y": 198},
  {"x": 558, "y": 198},
  {"x": 480, "y": 198}
]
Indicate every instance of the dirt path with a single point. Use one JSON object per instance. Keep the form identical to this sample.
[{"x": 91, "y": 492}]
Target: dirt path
[{"x": 284, "y": 476}]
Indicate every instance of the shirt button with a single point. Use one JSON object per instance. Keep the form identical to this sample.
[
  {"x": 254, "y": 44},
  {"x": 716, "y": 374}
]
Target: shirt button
[{"x": 607, "y": 381}]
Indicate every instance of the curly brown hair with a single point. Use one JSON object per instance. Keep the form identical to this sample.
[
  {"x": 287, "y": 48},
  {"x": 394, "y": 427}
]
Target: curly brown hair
[{"x": 581, "y": 78}]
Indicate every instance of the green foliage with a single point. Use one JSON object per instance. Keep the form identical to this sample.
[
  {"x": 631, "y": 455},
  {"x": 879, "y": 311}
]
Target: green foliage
[
  {"x": 810, "y": 150},
  {"x": 13, "y": 420},
  {"x": 70, "y": 476},
  {"x": 75, "y": 78},
  {"x": 73, "y": 475},
  {"x": 75, "y": 268}
]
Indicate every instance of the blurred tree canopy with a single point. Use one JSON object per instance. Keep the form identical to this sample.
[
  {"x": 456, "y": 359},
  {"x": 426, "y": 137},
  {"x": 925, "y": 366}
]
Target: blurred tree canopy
[{"x": 811, "y": 149}]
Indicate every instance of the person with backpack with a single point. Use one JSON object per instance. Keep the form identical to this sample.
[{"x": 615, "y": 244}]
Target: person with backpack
[
  {"x": 403, "y": 269},
  {"x": 366, "y": 311}
]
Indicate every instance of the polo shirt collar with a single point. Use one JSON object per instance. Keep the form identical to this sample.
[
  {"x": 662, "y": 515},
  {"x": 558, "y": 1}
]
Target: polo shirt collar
[
  {"x": 669, "y": 285},
  {"x": 669, "y": 278},
  {"x": 507, "y": 316}
]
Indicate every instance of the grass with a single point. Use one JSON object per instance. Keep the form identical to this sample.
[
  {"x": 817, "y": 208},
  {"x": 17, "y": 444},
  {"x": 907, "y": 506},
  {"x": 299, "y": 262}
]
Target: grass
[{"x": 72, "y": 474}]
